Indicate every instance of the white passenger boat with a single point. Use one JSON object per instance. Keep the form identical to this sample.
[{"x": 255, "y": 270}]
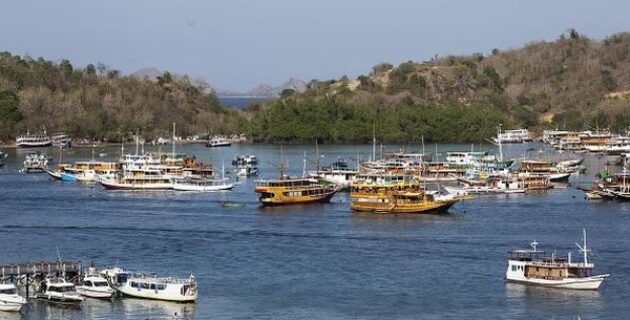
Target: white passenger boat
[
  {"x": 532, "y": 266},
  {"x": 10, "y": 300},
  {"x": 337, "y": 173},
  {"x": 59, "y": 291},
  {"x": 153, "y": 181},
  {"x": 33, "y": 140},
  {"x": 201, "y": 184},
  {"x": 61, "y": 140},
  {"x": 146, "y": 286},
  {"x": 219, "y": 142}
]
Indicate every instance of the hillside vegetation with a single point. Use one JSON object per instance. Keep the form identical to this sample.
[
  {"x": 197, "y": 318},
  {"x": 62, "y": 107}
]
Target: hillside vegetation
[
  {"x": 571, "y": 83},
  {"x": 96, "y": 102}
]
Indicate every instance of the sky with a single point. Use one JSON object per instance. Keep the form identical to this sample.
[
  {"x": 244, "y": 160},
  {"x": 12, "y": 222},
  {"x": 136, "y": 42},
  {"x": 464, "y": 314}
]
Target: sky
[{"x": 237, "y": 44}]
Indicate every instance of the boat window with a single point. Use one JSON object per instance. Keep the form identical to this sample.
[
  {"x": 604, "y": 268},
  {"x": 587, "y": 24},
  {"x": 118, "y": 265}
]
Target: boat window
[
  {"x": 161, "y": 286},
  {"x": 152, "y": 286},
  {"x": 8, "y": 291},
  {"x": 87, "y": 283},
  {"x": 184, "y": 289},
  {"x": 134, "y": 284},
  {"x": 144, "y": 285},
  {"x": 101, "y": 284}
]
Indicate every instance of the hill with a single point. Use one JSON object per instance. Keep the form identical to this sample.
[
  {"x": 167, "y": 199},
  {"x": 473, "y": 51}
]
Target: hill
[
  {"x": 572, "y": 82},
  {"x": 96, "y": 102}
]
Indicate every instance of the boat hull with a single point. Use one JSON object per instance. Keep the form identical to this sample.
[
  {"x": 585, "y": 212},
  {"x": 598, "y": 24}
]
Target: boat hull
[
  {"x": 60, "y": 300},
  {"x": 54, "y": 174},
  {"x": 150, "y": 294},
  {"x": 434, "y": 207},
  {"x": 96, "y": 294},
  {"x": 323, "y": 198},
  {"x": 129, "y": 186},
  {"x": 25, "y": 145},
  {"x": 185, "y": 187},
  {"x": 9, "y": 305},
  {"x": 589, "y": 283}
]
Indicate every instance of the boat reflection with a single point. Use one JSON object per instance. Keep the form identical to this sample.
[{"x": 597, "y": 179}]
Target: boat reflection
[
  {"x": 521, "y": 291},
  {"x": 153, "y": 309}
]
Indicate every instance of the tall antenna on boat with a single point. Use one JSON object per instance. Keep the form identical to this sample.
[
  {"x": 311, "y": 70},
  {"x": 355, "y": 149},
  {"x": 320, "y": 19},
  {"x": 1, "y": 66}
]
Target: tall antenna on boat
[
  {"x": 173, "y": 156},
  {"x": 583, "y": 247},
  {"x": 58, "y": 254},
  {"x": 499, "y": 141},
  {"x": 281, "y": 166},
  {"x": 374, "y": 142},
  {"x": 304, "y": 165},
  {"x": 137, "y": 141},
  {"x": 316, "y": 154},
  {"x": 534, "y": 244}
]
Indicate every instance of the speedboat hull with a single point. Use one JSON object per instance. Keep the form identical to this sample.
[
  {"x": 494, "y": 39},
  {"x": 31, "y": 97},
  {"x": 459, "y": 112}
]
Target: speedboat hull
[
  {"x": 62, "y": 300},
  {"x": 97, "y": 294},
  {"x": 12, "y": 304}
]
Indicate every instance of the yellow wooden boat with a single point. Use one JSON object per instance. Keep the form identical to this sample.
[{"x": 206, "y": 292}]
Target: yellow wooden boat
[
  {"x": 405, "y": 197},
  {"x": 293, "y": 191}
]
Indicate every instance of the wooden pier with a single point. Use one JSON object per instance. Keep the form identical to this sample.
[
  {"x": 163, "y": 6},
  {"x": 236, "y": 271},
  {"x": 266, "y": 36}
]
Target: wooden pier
[{"x": 27, "y": 274}]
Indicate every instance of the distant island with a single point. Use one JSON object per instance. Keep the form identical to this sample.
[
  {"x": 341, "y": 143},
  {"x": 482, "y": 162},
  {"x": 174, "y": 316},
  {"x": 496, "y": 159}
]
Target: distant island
[
  {"x": 265, "y": 90},
  {"x": 573, "y": 82}
]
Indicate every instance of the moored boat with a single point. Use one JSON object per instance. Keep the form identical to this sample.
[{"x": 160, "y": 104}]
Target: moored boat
[
  {"x": 57, "y": 290},
  {"x": 396, "y": 194},
  {"x": 293, "y": 191},
  {"x": 35, "y": 161},
  {"x": 535, "y": 267},
  {"x": 10, "y": 300},
  {"x": 41, "y": 140},
  {"x": 218, "y": 142},
  {"x": 148, "y": 286},
  {"x": 201, "y": 184},
  {"x": 95, "y": 286}
]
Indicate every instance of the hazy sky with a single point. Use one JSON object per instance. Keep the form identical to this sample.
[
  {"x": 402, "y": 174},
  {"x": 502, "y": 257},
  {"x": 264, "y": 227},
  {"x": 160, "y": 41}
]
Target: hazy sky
[{"x": 238, "y": 44}]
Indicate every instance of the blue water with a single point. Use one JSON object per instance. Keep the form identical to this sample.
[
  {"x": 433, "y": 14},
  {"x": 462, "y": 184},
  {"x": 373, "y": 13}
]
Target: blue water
[
  {"x": 317, "y": 261},
  {"x": 241, "y": 102}
]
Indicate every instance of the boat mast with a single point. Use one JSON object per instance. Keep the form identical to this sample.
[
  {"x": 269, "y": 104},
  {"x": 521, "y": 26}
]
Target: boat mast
[
  {"x": 374, "y": 142},
  {"x": 500, "y": 146},
  {"x": 304, "y": 165},
  {"x": 316, "y": 154},
  {"x": 173, "y": 156},
  {"x": 583, "y": 247},
  {"x": 137, "y": 141}
]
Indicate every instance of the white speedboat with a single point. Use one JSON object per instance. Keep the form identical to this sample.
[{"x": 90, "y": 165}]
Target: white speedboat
[
  {"x": 10, "y": 300},
  {"x": 532, "y": 266},
  {"x": 245, "y": 171},
  {"x": 35, "y": 162},
  {"x": 201, "y": 184},
  {"x": 147, "y": 286},
  {"x": 59, "y": 291},
  {"x": 95, "y": 286}
]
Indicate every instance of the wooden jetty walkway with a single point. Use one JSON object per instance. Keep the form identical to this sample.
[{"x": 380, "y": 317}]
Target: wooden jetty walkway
[{"x": 27, "y": 274}]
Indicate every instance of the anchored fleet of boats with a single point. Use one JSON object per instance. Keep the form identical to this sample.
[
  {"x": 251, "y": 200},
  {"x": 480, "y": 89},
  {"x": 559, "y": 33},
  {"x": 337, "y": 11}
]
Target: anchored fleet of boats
[{"x": 396, "y": 183}]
